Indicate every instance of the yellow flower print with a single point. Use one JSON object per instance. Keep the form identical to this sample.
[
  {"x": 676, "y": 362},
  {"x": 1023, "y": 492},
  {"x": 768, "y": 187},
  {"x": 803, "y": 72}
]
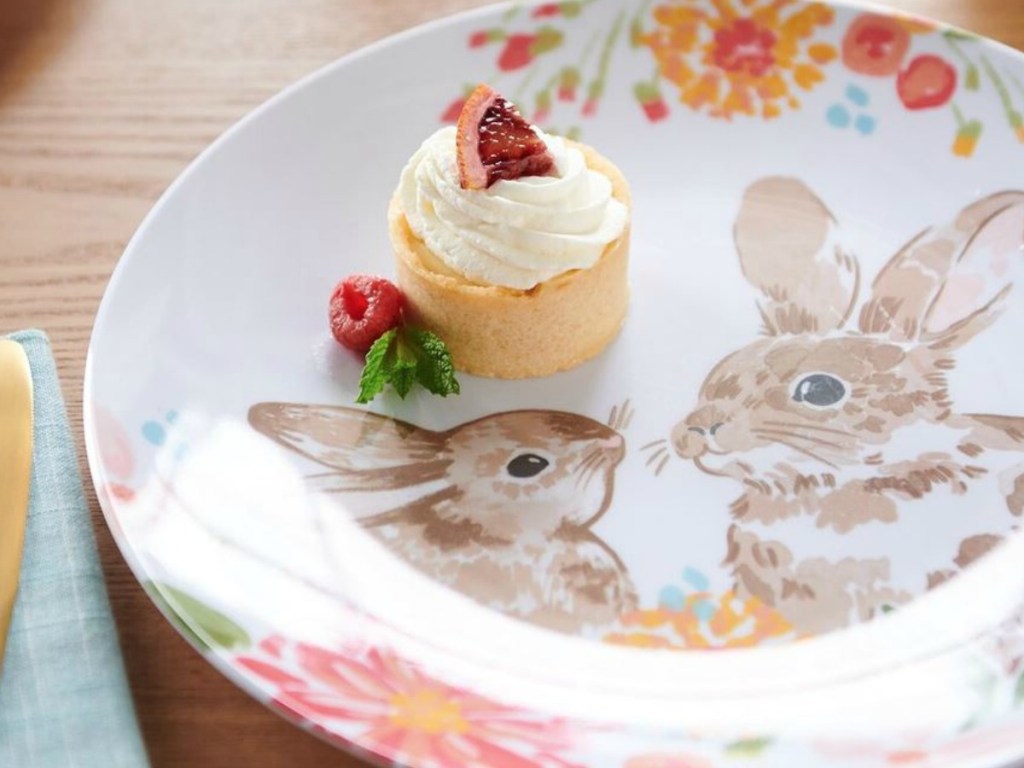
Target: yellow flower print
[{"x": 747, "y": 57}]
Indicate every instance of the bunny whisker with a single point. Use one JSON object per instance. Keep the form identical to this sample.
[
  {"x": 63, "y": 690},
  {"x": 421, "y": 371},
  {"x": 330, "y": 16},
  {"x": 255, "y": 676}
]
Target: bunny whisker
[
  {"x": 621, "y": 416},
  {"x": 769, "y": 433},
  {"x": 653, "y": 444},
  {"x": 613, "y": 417},
  {"x": 587, "y": 460},
  {"x": 627, "y": 414},
  {"x": 819, "y": 451},
  {"x": 810, "y": 427},
  {"x": 587, "y": 473},
  {"x": 804, "y": 451},
  {"x": 662, "y": 464},
  {"x": 656, "y": 455},
  {"x": 587, "y": 463}
]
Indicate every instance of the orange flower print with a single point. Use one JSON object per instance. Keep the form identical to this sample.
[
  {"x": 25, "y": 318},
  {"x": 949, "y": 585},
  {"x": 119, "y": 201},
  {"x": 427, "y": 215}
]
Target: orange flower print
[
  {"x": 690, "y": 616},
  {"x": 730, "y": 623},
  {"x": 387, "y": 706},
  {"x": 746, "y": 57}
]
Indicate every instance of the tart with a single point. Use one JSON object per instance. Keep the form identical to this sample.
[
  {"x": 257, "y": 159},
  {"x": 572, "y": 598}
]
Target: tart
[{"x": 517, "y": 259}]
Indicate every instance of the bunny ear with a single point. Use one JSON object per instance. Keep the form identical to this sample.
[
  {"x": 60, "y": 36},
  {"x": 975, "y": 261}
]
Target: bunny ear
[
  {"x": 789, "y": 250},
  {"x": 947, "y": 284},
  {"x": 367, "y": 451}
]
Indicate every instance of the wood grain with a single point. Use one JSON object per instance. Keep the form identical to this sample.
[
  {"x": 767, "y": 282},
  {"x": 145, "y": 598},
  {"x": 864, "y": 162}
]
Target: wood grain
[{"x": 102, "y": 104}]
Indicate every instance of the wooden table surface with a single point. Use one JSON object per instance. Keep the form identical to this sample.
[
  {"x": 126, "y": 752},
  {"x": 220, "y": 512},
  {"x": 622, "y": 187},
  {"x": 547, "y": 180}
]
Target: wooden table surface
[{"x": 102, "y": 104}]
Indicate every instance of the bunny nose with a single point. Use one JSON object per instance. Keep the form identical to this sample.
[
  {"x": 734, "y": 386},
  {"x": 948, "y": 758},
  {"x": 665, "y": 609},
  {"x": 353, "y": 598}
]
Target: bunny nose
[
  {"x": 706, "y": 420},
  {"x": 613, "y": 446},
  {"x": 709, "y": 431},
  {"x": 689, "y": 442},
  {"x": 695, "y": 434}
]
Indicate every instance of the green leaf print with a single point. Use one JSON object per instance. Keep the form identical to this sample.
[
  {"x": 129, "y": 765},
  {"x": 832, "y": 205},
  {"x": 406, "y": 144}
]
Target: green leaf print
[
  {"x": 959, "y": 35},
  {"x": 748, "y": 747},
  {"x": 205, "y": 627}
]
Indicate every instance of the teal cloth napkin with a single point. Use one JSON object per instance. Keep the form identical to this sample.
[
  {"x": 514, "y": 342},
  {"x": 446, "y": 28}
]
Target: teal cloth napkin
[{"x": 64, "y": 699}]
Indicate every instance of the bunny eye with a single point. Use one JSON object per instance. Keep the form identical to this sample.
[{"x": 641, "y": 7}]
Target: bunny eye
[
  {"x": 527, "y": 465},
  {"x": 819, "y": 390}
]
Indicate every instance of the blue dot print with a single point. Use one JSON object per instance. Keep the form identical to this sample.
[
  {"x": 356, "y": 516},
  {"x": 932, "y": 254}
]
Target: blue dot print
[
  {"x": 672, "y": 598},
  {"x": 852, "y": 111},
  {"x": 865, "y": 124},
  {"x": 857, "y": 95},
  {"x": 704, "y": 610},
  {"x": 696, "y": 579},
  {"x": 838, "y": 116},
  {"x": 154, "y": 433}
]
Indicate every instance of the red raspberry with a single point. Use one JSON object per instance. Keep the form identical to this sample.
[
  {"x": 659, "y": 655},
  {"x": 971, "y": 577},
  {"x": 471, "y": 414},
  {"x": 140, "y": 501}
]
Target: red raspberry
[{"x": 363, "y": 308}]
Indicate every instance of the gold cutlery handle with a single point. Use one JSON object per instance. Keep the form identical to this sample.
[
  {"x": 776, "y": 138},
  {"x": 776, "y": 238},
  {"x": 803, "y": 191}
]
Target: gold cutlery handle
[{"x": 15, "y": 472}]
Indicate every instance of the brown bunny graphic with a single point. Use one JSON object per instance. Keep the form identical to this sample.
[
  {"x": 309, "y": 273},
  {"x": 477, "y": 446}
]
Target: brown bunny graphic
[
  {"x": 838, "y": 423},
  {"x": 499, "y": 508}
]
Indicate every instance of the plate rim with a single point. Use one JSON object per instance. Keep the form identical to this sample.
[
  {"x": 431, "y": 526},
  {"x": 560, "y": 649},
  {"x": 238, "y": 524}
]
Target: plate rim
[{"x": 762, "y": 655}]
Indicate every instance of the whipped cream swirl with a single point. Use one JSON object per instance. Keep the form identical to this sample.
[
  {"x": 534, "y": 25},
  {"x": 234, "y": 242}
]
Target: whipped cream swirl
[{"x": 515, "y": 233}]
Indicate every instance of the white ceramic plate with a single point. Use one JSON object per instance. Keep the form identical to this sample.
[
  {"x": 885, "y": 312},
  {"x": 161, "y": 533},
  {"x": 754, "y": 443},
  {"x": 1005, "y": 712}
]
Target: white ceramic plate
[{"x": 806, "y": 489}]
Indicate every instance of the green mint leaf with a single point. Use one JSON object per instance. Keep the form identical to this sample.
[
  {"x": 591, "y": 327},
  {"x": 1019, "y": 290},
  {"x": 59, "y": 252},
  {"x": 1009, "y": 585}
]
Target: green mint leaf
[
  {"x": 401, "y": 366},
  {"x": 434, "y": 369},
  {"x": 404, "y": 357},
  {"x": 374, "y": 376},
  {"x": 402, "y": 378}
]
